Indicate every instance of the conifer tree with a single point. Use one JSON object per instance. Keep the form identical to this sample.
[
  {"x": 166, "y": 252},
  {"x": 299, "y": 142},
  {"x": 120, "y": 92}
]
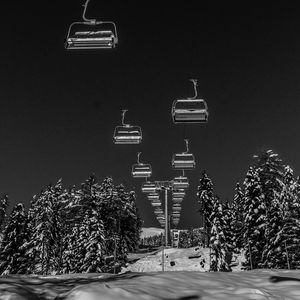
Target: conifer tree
[
  {"x": 273, "y": 255},
  {"x": 229, "y": 228},
  {"x": 218, "y": 243},
  {"x": 269, "y": 168},
  {"x": 206, "y": 200},
  {"x": 237, "y": 209},
  {"x": 291, "y": 220},
  {"x": 254, "y": 220},
  {"x": 71, "y": 215},
  {"x": 3, "y": 209},
  {"x": 13, "y": 238},
  {"x": 41, "y": 245}
]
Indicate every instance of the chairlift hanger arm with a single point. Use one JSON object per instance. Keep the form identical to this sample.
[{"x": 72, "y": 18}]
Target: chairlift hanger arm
[
  {"x": 123, "y": 117},
  {"x": 194, "y": 81},
  {"x": 187, "y": 146},
  {"x": 85, "y": 5},
  {"x": 138, "y": 158}
]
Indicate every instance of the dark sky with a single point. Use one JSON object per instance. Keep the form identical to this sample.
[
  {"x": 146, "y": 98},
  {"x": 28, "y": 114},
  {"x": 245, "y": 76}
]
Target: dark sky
[{"x": 58, "y": 108}]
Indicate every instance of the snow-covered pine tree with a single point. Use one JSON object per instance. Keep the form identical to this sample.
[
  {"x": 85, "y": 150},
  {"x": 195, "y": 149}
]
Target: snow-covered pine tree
[
  {"x": 72, "y": 223},
  {"x": 60, "y": 225},
  {"x": 3, "y": 209},
  {"x": 290, "y": 234},
  {"x": 130, "y": 222},
  {"x": 237, "y": 209},
  {"x": 40, "y": 249},
  {"x": 91, "y": 240},
  {"x": 13, "y": 238},
  {"x": 218, "y": 243},
  {"x": 206, "y": 200},
  {"x": 254, "y": 220},
  {"x": 273, "y": 255},
  {"x": 228, "y": 230},
  {"x": 269, "y": 168}
]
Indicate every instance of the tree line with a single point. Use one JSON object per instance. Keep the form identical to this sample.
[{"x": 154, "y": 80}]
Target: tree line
[
  {"x": 263, "y": 220},
  {"x": 70, "y": 230}
]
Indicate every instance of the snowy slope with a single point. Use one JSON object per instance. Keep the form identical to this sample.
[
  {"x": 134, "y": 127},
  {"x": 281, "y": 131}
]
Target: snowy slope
[
  {"x": 190, "y": 259},
  {"x": 151, "y": 231},
  {"x": 153, "y": 286}
]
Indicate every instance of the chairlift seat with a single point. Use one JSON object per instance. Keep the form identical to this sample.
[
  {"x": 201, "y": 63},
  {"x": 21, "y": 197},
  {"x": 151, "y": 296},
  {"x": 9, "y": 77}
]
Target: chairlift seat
[
  {"x": 177, "y": 200},
  {"x": 177, "y": 208},
  {"x": 141, "y": 170},
  {"x": 180, "y": 182},
  {"x": 153, "y": 196},
  {"x": 91, "y": 35},
  {"x": 149, "y": 187},
  {"x": 183, "y": 161},
  {"x": 180, "y": 193},
  {"x": 155, "y": 204},
  {"x": 175, "y": 215},
  {"x": 128, "y": 134},
  {"x": 190, "y": 111}
]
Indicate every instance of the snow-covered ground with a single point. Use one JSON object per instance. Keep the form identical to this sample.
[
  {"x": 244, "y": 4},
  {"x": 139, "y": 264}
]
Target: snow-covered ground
[
  {"x": 184, "y": 280},
  {"x": 191, "y": 259},
  {"x": 151, "y": 231}
]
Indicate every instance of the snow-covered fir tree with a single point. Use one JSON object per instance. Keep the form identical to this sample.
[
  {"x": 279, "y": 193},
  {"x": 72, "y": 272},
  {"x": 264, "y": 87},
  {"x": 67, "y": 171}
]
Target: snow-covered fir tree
[
  {"x": 71, "y": 215},
  {"x": 254, "y": 217},
  {"x": 121, "y": 220},
  {"x": 13, "y": 238},
  {"x": 206, "y": 199},
  {"x": 41, "y": 246},
  {"x": 269, "y": 168},
  {"x": 237, "y": 210},
  {"x": 290, "y": 233},
  {"x": 219, "y": 248},
  {"x": 273, "y": 255},
  {"x": 3, "y": 210},
  {"x": 229, "y": 229},
  {"x": 87, "y": 235}
]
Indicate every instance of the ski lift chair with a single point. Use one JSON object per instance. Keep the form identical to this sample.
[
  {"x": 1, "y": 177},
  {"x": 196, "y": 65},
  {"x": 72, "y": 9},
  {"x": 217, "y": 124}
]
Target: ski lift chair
[
  {"x": 175, "y": 215},
  {"x": 176, "y": 208},
  {"x": 180, "y": 182},
  {"x": 91, "y": 34},
  {"x": 180, "y": 193},
  {"x": 149, "y": 187},
  {"x": 190, "y": 110},
  {"x": 155, "y": 203},
  {"x": 158, "y": 211},
  {"x": 177, "y": 200},
  {"x": 127, "y": 134},
  {"x": 184, "y": 160},
  {"x": 153, "y": 196},
  {"x": 140, "y": 169}
]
